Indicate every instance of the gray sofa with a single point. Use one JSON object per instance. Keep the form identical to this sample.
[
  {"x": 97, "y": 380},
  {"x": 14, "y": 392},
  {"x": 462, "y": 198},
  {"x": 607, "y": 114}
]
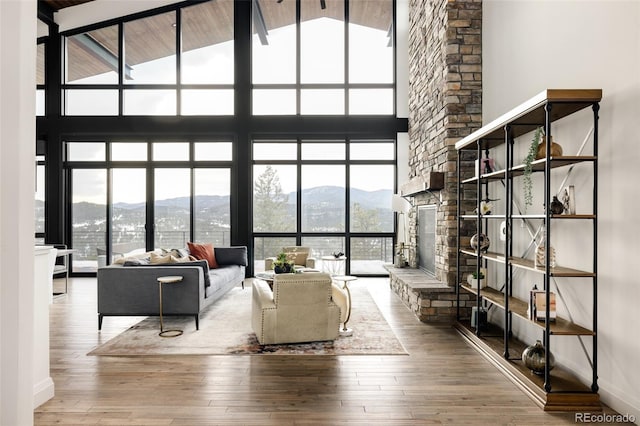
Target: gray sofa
[{"x": 131, "y": 289}]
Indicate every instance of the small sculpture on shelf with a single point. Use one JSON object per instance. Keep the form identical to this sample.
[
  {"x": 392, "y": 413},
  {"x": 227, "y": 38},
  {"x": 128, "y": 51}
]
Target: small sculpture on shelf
[
  {"x": 485, "y": 208},
  {"x": 481, "y": 241},
  {"x": 556, "y": 206},
  {"x": 540, "y": 258},
  {"x": 556, "y": 149},
  {"x": 534, "y": 358}
]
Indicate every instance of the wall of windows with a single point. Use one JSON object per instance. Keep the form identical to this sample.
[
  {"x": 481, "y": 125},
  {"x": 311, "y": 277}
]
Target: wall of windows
[
  {"x": 177, "y": 123},
  {"x": 312, "y": 59},
  {"x": 331, "y": 195},
  {"x": 180, "y": 62},
  {"x": 129, "y": 197}
]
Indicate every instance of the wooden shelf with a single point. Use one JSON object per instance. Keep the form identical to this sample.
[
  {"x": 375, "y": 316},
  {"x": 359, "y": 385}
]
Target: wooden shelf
[
  {"x": 529, "y": 216},
  {"x": 486, "y": 216},
  {"x": 490, "y": 255},
  {"x": 558, "y": 271},
  {"x": 518, "y": 262},
  {"x": 518, "y": 307},
  {"x": 536, "y": 166},
  {"x": 527, "y": 116},
  {"x": 554, "y": 216},
  {"x": 568, "y": 393}
]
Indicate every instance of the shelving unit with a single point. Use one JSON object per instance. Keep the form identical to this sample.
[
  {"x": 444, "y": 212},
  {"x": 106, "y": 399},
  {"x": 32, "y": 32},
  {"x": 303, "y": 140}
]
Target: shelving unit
[{"x": 556, "y": 389}]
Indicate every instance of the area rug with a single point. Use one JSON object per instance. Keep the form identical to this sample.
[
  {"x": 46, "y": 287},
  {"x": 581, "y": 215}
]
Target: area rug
[{"x": 225, "y": 329}]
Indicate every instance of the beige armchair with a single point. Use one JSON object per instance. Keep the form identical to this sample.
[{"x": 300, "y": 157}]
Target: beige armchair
[
  {"x": 299, "y": 309},
  {"x": 299, "y": 255}
]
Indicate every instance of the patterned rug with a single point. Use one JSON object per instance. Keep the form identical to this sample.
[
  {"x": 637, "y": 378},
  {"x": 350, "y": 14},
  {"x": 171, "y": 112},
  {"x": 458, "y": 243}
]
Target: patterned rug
[{"x": 225, "y": 329}]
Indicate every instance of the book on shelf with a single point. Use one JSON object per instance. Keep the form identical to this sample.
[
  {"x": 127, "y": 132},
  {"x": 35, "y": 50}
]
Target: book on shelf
[{"x": 538, "y": 303}]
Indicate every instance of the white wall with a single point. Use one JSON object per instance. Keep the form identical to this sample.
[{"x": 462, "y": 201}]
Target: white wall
[
  {"x": 17, "y": 156},
  {"x": 529, "y": 46}
]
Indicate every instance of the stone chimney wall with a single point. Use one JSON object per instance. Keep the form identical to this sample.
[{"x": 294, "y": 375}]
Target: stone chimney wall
[{"x": 445, "y": 104}]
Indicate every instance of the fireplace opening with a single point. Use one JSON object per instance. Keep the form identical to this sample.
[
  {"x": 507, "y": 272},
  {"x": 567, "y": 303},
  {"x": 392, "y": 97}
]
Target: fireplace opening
[{"x": 426, "y": 239}]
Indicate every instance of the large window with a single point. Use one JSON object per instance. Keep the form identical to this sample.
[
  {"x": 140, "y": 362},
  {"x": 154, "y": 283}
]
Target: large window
[
  {"x": 323, "y": 63},
  {"x": 113, "y": 184},
  {"x": 331, "y": 195},
  {"x": 179, "y": 62},
  {"x": 262, "y": 123}
]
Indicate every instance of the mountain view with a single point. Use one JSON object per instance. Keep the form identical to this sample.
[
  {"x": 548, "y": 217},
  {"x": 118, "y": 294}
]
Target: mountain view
[{"x": 323, "y": 211}]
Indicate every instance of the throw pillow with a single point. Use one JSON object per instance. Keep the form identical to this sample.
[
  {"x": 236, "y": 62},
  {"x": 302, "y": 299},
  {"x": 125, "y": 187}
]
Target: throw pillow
[
  {"x": 298, "y": 257},
  {"x": 158, "y": 259},
  {"x": 175, "y": 259},
  {"x": 122, "y": 259},
  {"x": 203, "y": 252}
]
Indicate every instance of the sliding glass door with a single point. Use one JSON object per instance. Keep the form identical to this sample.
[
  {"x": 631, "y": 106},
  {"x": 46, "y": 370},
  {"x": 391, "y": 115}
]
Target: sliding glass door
[{"x": 123, "y": 203}]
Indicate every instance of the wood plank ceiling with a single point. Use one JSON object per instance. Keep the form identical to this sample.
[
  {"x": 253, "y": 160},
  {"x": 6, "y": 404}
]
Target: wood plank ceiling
[{"x": 206, "y": 24}]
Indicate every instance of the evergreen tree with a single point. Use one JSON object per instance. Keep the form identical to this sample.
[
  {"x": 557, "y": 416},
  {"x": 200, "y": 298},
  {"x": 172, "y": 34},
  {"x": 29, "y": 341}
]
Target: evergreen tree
[
  {"x": 270, "y": 204},
  {"x": 364, "y": 220}
]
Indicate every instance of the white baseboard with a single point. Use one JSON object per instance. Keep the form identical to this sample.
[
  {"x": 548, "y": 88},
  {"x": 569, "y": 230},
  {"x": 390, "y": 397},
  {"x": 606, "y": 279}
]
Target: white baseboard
[{"x": 42, "y": 392}]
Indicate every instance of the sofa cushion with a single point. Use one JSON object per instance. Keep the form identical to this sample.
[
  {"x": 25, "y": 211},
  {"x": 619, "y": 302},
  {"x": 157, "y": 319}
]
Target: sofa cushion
[
  {"x": 203, "y": 252},
  {"x": 231, "y": 255},
  {"x": 221, "y": 277},
  {"x": 157, "y": 259},
  {"x": 201, "y": 263},
  {"x": 133, "y": 257},
  {"x": 134, "y": 262}
]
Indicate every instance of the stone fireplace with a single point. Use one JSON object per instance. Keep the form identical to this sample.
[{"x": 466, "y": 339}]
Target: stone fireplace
[
  {"x": 445, "y": 95},
  {"x": 445, "y": 104}
]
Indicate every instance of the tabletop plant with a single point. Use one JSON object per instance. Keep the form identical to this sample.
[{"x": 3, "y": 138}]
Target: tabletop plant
[{"x": 282, "y": 264}]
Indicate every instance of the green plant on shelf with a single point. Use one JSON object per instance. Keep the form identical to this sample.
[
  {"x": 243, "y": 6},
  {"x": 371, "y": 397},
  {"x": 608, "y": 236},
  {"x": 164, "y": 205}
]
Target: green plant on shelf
[
  {"x": 475, "y": 275},
  {"x": 527, "y": 183}
]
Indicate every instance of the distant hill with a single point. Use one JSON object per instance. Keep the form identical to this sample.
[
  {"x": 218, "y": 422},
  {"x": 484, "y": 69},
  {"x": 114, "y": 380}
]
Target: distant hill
[
  {"x": 323, "y": 210},
  {"x": 335, "y": 195}
]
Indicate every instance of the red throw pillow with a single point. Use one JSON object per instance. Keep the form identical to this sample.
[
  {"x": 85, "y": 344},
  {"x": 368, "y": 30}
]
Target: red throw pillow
[{"x": 203, "y": 252}]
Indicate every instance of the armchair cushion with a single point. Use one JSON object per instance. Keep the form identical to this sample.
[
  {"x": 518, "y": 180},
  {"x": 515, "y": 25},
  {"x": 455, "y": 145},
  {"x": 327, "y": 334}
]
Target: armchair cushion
[{"x": 299, "y": 255}]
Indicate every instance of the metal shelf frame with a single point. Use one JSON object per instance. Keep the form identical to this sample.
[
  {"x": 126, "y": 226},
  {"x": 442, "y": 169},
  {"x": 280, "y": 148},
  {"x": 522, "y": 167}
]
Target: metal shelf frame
[{"x": 540, "y": 111}]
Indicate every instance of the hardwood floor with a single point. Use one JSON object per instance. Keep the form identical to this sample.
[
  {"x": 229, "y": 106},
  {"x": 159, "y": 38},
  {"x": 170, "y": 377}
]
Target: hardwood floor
[{"x": 442, "y": 380}]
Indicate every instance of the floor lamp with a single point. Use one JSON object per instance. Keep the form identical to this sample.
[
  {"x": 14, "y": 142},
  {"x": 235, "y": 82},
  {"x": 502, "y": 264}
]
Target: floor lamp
[{"x": 400, "y": 205}]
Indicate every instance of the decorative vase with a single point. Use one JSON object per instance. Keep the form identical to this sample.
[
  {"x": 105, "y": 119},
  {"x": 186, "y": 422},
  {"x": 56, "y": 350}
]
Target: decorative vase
[
  {"x": 282, "y": 269},
  {"x": 539, "y": 260},
  {"x": 534, "y": 358},
  {"x": 556, "y": 206},
  {"x": 483, "y": 241},
  {"x": 556, "y": 149}
]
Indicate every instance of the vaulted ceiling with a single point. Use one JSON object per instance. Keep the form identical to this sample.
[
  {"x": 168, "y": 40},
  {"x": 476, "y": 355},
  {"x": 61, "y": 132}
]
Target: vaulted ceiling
[{"x": 212, "y": 24}]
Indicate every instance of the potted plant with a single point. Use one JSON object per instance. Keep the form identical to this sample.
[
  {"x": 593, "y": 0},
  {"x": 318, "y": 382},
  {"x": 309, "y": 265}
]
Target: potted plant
[
  {"x": 473, "y": 277},
  {"x": 282, "y": 264},
  {"x": 527, "y": 184}
]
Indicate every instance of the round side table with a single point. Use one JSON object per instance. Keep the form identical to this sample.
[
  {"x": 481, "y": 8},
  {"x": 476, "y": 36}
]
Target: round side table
[
  {"x": 345, "y": 331},
  {"x": 333, "y": 265},
  {"x": 173, "y": 279}
]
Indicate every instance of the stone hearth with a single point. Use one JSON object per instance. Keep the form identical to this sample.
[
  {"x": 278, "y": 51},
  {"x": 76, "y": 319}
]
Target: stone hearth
[{"x": 429, "y": 299}]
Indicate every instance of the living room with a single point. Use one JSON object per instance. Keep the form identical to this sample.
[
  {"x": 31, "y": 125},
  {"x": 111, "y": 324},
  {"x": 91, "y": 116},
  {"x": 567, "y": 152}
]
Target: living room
[{"x": 527, "y": 47}]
